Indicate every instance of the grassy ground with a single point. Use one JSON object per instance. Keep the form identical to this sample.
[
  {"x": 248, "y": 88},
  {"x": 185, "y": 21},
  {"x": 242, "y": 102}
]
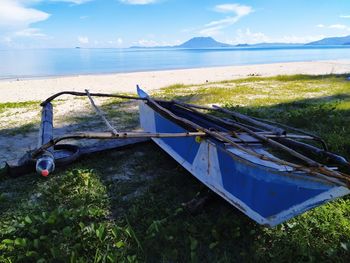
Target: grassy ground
[{"x": 126, "y": 206}]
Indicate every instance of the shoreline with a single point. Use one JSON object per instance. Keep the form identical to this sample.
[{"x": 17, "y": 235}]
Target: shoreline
[
  {"x": 27, "y": 78},
  {"x": 40, "y": 88}
]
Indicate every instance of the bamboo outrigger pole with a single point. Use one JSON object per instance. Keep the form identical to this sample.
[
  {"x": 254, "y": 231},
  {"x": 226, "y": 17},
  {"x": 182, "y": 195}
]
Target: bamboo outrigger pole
[
  {"x": 299, "y": 145},
  {"x": 283, "y": 139},
  {"x": 100, "y": 113},
  {"x": 263, "y": 138},
  {"x": 246, "y": 118},
  {"x": 81, "y": 94},
  {"x": 109, "y": 135},
  {"x": 45, "y": 162}
]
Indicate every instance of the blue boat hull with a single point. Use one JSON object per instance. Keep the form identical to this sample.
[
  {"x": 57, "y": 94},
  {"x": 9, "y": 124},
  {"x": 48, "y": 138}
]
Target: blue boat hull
[{"x": 266, "y": 192}]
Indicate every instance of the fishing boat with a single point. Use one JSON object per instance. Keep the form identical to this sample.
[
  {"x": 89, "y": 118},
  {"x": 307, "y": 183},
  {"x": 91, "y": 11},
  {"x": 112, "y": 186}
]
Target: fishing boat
[
  {"x": 264, "y": 169},
  {"x": 240, "y": 166}
]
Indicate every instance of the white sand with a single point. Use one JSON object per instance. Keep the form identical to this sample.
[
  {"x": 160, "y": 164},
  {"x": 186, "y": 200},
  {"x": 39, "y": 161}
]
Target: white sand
[{"x": 39, "y": 89}]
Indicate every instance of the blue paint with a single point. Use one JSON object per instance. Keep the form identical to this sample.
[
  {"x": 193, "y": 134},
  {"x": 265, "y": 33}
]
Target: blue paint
[
  {"x": 186, "y": 147},
  {"x": 141, "y": 93},
  {"x": 264, "y": 192}
]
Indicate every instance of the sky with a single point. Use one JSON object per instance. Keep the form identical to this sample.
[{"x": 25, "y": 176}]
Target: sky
[{"x": 124, "y": 23}]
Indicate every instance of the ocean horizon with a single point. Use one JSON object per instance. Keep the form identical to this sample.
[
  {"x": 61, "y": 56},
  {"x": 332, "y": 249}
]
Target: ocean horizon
[{"x": 37, "y": 63}]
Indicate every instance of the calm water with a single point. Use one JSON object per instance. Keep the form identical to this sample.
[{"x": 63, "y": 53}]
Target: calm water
[{"x": 55, "y": 62}]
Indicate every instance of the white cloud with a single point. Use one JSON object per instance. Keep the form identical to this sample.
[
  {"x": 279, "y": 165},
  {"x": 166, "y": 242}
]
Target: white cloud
[
  {"x": 18, "y": 14},
  {"x": 147, "y": 43},
  {"x": 17, "y": 17},
  {"x": 117, "y": 42},
  {"x": 240, "y": 10},
  {"x": 15, "y": 14},
  {"x": 216, "y": 26},
  {"x": 77, "y": 2},
  {"x": 30, "y": 32},
  {"x": 83, "y": 40},
  {"x": 138, "y": 2},
  {"x": 249, "y": 37},
  {"x": 298, "y": 39},
  {"x": 338, "y": 26},
  {"x": 335, "y": 26},
  {"x": 153, "y": 43},
  {"x": 344, "y": 16}
]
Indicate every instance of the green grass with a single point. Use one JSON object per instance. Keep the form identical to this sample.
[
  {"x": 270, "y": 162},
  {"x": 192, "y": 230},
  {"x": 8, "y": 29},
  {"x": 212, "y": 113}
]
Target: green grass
[
  {"x": 15, "y": 105},
  {"x": 126, "y": 206},
  {"x": 10, "y": 109}
]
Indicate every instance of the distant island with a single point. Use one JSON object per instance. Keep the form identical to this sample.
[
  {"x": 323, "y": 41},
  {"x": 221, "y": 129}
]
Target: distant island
[
  {"x": 203, "y": 42},
  {"x": 332, "y": 41},
  {"x": 209, "y": 42},
  {"x": 196, "y": 42}
]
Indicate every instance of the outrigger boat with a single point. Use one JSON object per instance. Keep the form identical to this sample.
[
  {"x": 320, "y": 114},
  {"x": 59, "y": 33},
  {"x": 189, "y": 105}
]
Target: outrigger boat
[{"x": 258, "y": 166}]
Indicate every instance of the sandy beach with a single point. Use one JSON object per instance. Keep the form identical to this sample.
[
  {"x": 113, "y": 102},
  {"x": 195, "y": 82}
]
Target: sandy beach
[{"x": 39, "y": 89}]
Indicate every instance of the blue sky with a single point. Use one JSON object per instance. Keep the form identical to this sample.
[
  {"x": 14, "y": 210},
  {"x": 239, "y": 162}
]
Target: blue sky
[{"x": 123, "y": 23}]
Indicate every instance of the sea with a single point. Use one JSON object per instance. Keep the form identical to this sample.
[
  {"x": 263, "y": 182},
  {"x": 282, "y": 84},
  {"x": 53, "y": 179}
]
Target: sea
[{"x": 36, "y": 63}]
